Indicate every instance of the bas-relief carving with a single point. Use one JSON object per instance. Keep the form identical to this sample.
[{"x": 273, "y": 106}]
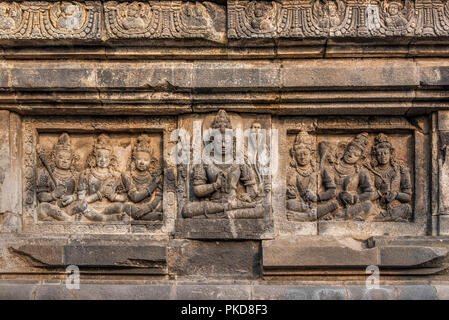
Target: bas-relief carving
[
  {"x": 158, "y": 20},
  {"x": 337, "y": 18},
  {"x": 227, "y": 189},
  {"x": 97, "y": 190},
  {"x": 49, "y": 20},
  {"x": 348, "y": 182}
]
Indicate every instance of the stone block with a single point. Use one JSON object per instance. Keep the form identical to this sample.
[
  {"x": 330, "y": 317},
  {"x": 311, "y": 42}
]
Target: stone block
[
  {"x": 55, "y": 292},
  {"x": 101, "y": 291},
  {"x": 43, "y": 77},
  {"x": 17, "y": 291},
  {"x": 364, "y": 293},
  {"x": 212, "y": 292},
  {"x": 222, "y": 259},
  {"x": 289, "y": 292},
  {"x": 416, "y": 292},
  {"x": 224, "y": 229}
]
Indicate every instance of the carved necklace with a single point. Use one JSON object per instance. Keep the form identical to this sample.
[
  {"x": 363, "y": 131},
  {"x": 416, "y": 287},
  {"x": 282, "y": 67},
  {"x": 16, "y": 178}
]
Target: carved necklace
[
  {"x": 62, "y": 175},
  {"x": 345, "y": 170},
  {"x": 100, "y": 176},
  {"x": 386, "y": 174},
  {"x": 304, "y": 172},
  {"x": 140, "y": 177}
]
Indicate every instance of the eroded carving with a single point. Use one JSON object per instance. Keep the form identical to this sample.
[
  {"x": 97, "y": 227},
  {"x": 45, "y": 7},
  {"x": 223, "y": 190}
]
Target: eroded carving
[
  {"x": 303, "y": 201},
  {"x": 56, "y": 182},
  {"x": 99, "y": 191},
  {"x": 392, "y": 181},
  {"x": 45, "y": 20},
  {"x": 345, "y": 183},
  {"x": 143, "y": 183},
  {"x": 328, "y": 14},
  {"x": 223, "y": 188},
  {"x": 161, "y": 20}
]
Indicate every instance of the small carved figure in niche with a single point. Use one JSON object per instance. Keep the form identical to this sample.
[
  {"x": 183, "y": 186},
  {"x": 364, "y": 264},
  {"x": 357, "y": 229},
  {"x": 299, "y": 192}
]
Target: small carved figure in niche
[
  {"x": 392, "y": 181},
  {"x": 261, "y": 15},
  {"x": 195, "y": 14},
  {"x": 143, "y": 185},
  {"x": 68, "y": 15},
  {"x": 56, "y": 182},
  {"x": 134, "y": 16},
  {"x": 101, "y": 184},
  {"x": 328, "y": 14},
  {"x": 258, "y": 159},
  {"x": 354, "y": 185},
  {"x": 395, "y": 14},
  {"x": 7, "y": 13},
  {"x": 302, "y": 183},
  {"x": 216, "y": 184}
]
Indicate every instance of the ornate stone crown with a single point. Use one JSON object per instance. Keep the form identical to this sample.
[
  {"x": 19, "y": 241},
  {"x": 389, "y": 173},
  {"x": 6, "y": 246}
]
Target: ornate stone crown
[
  {"x": 103, "y": 142},
  {"x": 63, "y": 143}
]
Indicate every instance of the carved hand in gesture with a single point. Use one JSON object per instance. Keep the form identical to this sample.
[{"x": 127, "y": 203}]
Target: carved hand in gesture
[
  {"x": 390, "y": 196},
  {"x": 346, "y": 198},
  {"x": 66, "y": 200},
  {"x": 59, "y": 191},
  {"x": 309, "y": 196}
]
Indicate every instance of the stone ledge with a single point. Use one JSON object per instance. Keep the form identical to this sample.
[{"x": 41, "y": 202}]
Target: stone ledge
[
  {"x": 171, "y": 290},
  {"x": 333, "y": 255},
  {"x": 95, "y": 255}
]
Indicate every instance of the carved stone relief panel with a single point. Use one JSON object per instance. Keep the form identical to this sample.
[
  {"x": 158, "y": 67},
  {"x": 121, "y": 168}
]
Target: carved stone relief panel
[
  {"x": 108, "y": 172},
  {"x": 226, "y": 181},
  {"x": 336, "y": 18},
  {"x": 165, "y": 20},
  {"x": 354, "y": 177},
  {"x": 50, "y": 20}
]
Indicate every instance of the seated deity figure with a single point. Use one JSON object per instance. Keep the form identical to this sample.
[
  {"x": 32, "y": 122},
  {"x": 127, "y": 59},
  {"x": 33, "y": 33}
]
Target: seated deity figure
[
  {"x": 133, "y": 19},
  {"x": 143, "y": 185},
  {"x": 393, "y": 15},
  {"x": 303, "y": 201},
  {"x": 353, "y": 181},
  {"x": 216, "y": 184},
  {"x": 392, "y": 182},
  {"x": 56, "y": 183},
  {"x": 100, "y": 186}
]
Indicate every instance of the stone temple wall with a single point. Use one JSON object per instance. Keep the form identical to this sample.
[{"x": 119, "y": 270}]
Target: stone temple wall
[{"x": 224, "y": 149}]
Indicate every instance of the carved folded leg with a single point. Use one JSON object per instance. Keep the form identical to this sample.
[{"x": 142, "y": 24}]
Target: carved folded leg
[
  {"x": 297, "y": 206},
  {"x": 401, "y": 213},
  {"x": 310, "y": 215},
  {"x": 325, "y": 208},
  {"x": 94, "y": 215},
  {"x": 247, "y": 213},
  {"x": 48, "y": 212},
  {"x": 149, "y": 211},
  {"x": 193, "y": 209},
  {"x": 362, "y": 211}
]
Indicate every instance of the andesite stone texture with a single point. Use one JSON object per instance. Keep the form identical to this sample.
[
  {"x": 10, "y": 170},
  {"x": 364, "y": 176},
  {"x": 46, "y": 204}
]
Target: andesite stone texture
[{"x": 224, "y": 149}]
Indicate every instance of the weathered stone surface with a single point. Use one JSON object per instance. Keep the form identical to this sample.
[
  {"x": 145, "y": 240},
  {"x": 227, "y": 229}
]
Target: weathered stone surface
[
  {"x": 208, "y": 259},
  {"x": 224, "y": 229},
  {"x": 212, "y": 292},
  {"x": 343, "y": 255},
  {"x": 416, "y": 292},
  {"x": 364, "y": 293},
  {"x": 336, "y": 114},
  {"x": 288, "y": 292},
  {"x": 119, "y": 256}
]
